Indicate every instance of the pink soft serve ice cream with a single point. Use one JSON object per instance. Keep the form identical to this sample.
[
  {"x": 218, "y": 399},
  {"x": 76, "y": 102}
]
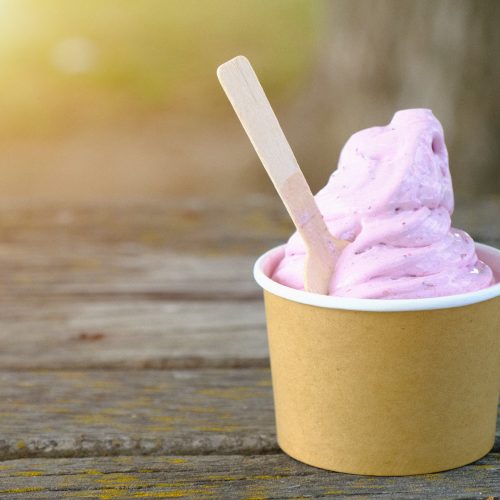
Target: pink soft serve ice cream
[{"x": 392, "y": 198}]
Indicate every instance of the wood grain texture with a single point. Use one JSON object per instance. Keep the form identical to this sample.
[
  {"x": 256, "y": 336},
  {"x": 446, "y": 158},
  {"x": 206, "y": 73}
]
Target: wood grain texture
[
  {"x": 173, "y": 250},
  {"x": 92, "y": 413},
  {"x": 235, "y": 477},
  {"x": 134, "y": 285},
  {"x": 166, "y": 251},
  {"x": 72, "y": 332},
  {"x": 251, "y": 105}
]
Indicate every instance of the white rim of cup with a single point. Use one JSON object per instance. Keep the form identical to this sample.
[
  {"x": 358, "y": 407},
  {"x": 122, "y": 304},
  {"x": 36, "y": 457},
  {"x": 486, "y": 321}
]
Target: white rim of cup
[{"x": 377, "y": 305}]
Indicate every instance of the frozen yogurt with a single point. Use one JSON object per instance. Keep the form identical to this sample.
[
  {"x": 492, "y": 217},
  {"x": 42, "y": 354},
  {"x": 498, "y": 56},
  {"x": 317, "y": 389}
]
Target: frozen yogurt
[{"x": 392, "y": 198}]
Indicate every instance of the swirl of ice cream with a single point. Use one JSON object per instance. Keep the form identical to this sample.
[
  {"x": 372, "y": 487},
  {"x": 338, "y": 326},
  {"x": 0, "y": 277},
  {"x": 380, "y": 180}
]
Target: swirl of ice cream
[{"x": 392, "y": 197}]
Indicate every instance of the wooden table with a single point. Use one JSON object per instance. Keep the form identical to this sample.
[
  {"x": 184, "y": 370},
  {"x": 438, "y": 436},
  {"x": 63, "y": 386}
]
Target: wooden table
[{"x": 134, "y": 360}]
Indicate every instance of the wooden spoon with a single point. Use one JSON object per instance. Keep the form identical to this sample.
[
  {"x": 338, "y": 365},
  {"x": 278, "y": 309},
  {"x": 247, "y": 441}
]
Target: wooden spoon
[{"x": 252, "y": 107}]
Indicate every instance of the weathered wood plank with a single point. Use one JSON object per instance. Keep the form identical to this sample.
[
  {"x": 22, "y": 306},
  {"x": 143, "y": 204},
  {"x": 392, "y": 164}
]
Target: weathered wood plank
[
  {"x": 92, "y": 413},
  {"x": 178, "y": 224},
  {"x": 186, "y": 249},
  {"x": 222, "y": 226},
  {"x": 96, "y": 286},
  {"x": 106, "y": 273},
  {"x": 71, "y": 333},
  {"x": 238, "y": 477}
]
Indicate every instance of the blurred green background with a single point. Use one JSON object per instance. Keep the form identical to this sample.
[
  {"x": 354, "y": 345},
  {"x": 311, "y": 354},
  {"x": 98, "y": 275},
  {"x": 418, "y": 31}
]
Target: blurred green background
[
  {"x": 74, "y": 63},
  {"x": 119, "y": 99}
]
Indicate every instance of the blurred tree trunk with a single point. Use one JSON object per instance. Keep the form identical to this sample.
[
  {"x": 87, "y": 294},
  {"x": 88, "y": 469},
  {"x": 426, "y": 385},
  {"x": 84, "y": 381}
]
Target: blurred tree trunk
[{"x": 375, "y": 57}]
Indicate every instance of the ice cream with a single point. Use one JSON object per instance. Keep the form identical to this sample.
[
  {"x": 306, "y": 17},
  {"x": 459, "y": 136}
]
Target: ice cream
[{"x": 392, "y": 198}]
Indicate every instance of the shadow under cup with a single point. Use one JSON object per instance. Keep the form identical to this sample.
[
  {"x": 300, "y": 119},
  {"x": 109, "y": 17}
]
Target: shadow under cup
[{"x": 384, "y": 387}]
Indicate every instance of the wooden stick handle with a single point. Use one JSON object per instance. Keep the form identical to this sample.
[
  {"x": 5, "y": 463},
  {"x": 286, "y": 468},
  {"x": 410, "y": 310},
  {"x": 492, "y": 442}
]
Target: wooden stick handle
[
  {"x": 250, "y": 103},
  {"x": 255, "y": 113},
  {"x": 252, "y": 107}
]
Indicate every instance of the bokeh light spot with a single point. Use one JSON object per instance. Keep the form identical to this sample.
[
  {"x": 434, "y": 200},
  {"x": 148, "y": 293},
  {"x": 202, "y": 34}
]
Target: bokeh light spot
[{"x": 74, "y": 55}]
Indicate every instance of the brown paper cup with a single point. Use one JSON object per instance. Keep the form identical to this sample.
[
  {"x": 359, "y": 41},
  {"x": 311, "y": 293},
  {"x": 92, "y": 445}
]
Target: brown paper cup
[{"x": 384, "y": 387}]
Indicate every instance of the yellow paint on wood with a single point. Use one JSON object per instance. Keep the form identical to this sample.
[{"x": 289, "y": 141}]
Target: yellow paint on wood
[
  {"x": 223, "y": 478},
  {"x": 163, "y": 418},
  {"x": 30, "y": 473},
  {"x": 142, "y": 402},
  {"x": 58, "y": 409},
  {"x": 257, "y": 492},
  {"x": 227, "y": 428},
  {"x": 110, "y": 493},
  {"x": 20, "y": 445},
  {"x": 113, "y": 411},
  {"x": 178, "y": 493},
  {"x": 117, "y": 479},
  {"x": 147, "y": 494},
  {"x": 158, "y": 428},
  {"x": 28, "y": 489},
  {"x": 92, "y": 472},
  {"x": 75, "y": 494},
  {"x": 284, "y": 468},
  {"x": 264, "y": 383},
  {"x": 433, "y": 477},
  {"x": 277, "y": 476},
  {"x": 231, "y": 393},
  {"x": 93, "y": 419}
]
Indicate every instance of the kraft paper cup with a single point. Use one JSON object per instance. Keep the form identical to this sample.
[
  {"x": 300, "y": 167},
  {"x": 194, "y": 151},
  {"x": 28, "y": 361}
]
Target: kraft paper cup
[{"x": 383, "y": 387}]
